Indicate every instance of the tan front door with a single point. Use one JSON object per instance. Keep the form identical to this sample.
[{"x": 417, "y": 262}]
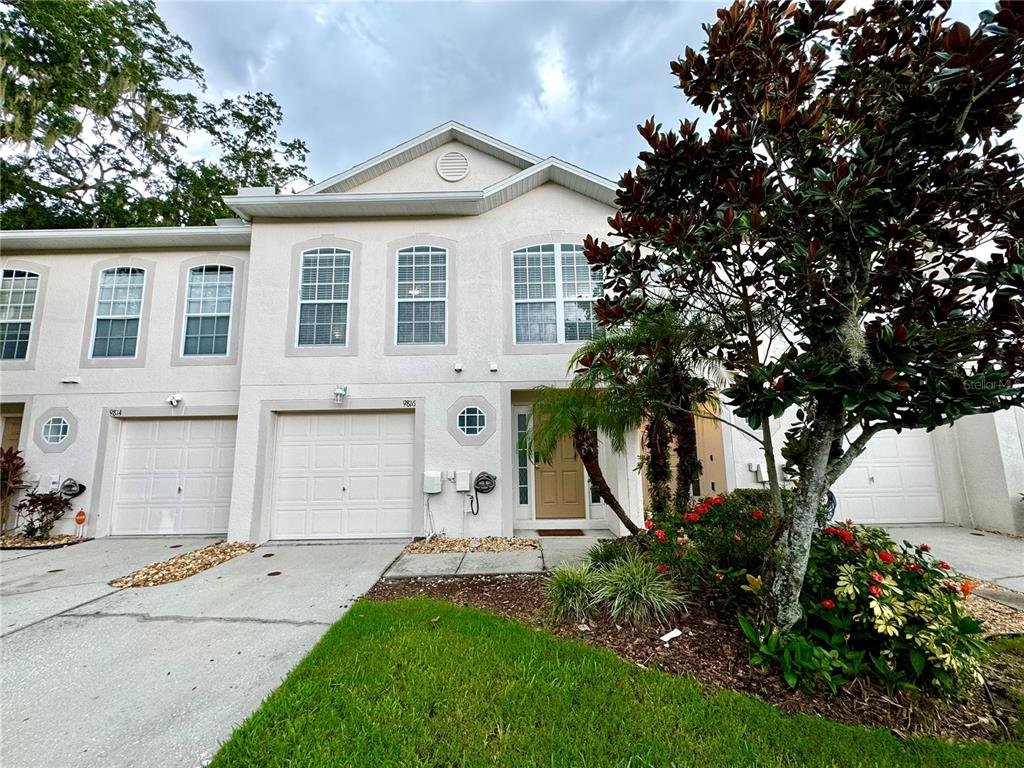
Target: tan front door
[{"x": 560, "y": 485}]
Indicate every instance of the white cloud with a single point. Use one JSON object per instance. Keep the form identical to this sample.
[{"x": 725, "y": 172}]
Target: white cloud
[{"x": 556, "y": 94}]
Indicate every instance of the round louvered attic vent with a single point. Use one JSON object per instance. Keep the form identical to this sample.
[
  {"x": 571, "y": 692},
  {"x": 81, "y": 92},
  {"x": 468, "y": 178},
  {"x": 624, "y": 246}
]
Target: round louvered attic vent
[{"x": 452, "y": 166}]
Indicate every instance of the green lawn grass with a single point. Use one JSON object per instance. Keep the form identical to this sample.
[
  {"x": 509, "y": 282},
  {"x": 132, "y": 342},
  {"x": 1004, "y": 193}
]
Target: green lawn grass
[{"x": 388, "y": 686}]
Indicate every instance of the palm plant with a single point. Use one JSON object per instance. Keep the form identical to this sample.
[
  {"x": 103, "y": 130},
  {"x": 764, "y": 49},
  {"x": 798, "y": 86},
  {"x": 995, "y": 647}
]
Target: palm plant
[
  {"x": 12, "y": 476},
  {"x": 655, "y": 367},
  {"x": 580, "y": 412}
]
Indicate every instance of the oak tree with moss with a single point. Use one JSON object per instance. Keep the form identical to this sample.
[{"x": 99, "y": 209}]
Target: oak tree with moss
[{"x": 852, "y": 218}]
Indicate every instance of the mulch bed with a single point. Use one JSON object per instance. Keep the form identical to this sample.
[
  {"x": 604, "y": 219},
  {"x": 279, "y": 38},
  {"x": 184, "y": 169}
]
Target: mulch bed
[
  {"x": 17, "y": 541},
  {"x": 481, "y": 544},
  {"x": 713, "y": 652},
  {"x": 184, "y": 565}
]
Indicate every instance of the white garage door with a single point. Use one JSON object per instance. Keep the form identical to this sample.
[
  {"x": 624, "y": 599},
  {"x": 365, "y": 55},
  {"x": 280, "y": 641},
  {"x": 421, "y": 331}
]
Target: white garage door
[
  {"x": 893, "y": 481},
  {"x": 173, "y": 476},
  {"x": 343, "y": 475}
]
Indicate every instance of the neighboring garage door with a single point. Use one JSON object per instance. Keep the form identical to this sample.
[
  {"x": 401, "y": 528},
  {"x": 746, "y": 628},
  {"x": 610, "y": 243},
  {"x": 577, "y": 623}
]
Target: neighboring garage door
[
  {"x": 893, "y": 481},
  {"x": 173, "y": 476},
  {"x": 343, "y": 475}
]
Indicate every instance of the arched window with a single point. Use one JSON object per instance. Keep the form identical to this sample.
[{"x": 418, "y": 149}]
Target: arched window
[
  {"x": 18, "y": 290},
  {"x": 208, "y": 310},
  {"x": 118, "y": 312},
  {"x": 324, "y": 284},
  {"x": 421, "y": 288},
  {"x": 553, "y": 291}
]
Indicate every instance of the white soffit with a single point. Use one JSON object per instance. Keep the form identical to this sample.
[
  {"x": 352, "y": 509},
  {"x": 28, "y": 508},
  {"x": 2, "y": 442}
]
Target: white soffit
[{"x": 126, "y": 238}]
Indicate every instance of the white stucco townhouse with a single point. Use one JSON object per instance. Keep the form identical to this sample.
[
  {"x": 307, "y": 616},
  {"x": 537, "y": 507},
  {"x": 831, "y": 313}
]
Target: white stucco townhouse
[{"x": 341, "y": 362}]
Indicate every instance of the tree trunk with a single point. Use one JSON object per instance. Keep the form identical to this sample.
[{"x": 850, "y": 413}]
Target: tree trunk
[
  {"x": 585, "y": 443},
  {"x": 688, "y": 465},
  {"x": 794, "y": 544},
  {"x": 659, "y": 475}
]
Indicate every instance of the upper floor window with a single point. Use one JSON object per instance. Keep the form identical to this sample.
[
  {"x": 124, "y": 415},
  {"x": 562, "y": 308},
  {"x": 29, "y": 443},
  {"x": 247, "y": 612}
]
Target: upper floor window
[
  {"x": 208, "y": 310},
  {"x": 553, "y": 290},
  {"x": 18, "y": 290},
  {"x": 118, "y": 312},
  {"x": 422, "y": 296},
  {"x": 324, "y": 297}
]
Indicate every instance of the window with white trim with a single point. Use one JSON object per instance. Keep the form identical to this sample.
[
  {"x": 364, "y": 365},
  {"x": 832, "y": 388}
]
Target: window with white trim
[
  {"x": 326, "y": 275},
  {"x": 18, "y": 290},
  {"x": 208, "y": 310},
  {"x": 472, "y": 421},
  {"x": 55, "y": 430},
  {"x": 118, "y": 312},
  {"x": 554, "y": 290},
  {"x": 421, "y": 301}
]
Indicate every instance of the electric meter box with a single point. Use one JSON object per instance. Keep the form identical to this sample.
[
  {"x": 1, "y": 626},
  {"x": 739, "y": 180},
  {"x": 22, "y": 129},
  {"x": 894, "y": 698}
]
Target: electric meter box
[{"x": 432, "y": 481}]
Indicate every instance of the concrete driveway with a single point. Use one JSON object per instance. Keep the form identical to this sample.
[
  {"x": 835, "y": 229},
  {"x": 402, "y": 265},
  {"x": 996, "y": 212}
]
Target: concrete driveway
[
  {"x": 158, "y": 676},
  {"x": 989, "y": 556}
]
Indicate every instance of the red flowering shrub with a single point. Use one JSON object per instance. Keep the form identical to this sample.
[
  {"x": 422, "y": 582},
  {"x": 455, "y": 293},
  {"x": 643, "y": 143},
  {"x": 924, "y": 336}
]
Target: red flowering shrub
[
  {"x": 891, "y": 611},
  {"x": 715, "y": 545}
]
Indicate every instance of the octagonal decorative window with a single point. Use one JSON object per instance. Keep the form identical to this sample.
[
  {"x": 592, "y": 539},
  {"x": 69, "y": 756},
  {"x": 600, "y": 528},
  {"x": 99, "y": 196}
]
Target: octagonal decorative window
[
  {"x": 472, "y": 421},
  {"x": 55, "y": 430}
]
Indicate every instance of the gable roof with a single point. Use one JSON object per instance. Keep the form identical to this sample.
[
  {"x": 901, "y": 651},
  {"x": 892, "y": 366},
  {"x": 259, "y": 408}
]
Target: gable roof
[
  {"x": 330, "y": 198},
  {"x": 459, "y": 203},
  {"x": 417, "y": 147}
]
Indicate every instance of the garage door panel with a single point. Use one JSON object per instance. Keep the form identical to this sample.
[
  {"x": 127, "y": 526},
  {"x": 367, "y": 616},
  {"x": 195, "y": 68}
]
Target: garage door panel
[
  {"x": 397, "y": 455},
  {"x": 162, "y": 520},
  {"x": 163, "y": 487},
  {"x": 326, "y": 490},
  {"x": 136, "y": 458},
  {"x": 893, "y": 481},
  {"x": 293, "y": 427},
  {"x": 173, "y": 476},
  {"x": 393, "y": 521},
  {"x": 197, "y": 488},
  {"x": 369, "y": 454},
  {"x": 328, "y": 456},
  {"x": 293, "y": 456},
  {"x": 363, "y": 489},
  {"x": 326, "y": 523},
  {"x": 396, "y": 488},
  {"x": 201, "y": 457},
  {"x": 292, "y": 490},
  {"x": 290, "y": 523},
  {"x": 167, "y": 458},
  {"x": 171, "y": 431},
  {"x": 365, "y": 457},
  {"x": 918, "y": 478}
]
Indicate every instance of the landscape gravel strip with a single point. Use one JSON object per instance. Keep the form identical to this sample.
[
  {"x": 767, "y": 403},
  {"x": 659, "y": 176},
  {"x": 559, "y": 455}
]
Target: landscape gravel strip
[
  {"x": 17, "y": 541},
  {"x": 184, "y": 565},
  {"x": 481, "y": 544}
]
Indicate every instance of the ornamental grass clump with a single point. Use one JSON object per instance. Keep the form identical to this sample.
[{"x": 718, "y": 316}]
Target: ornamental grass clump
[
  {"x": 636, "y": 591},
  {"x": 570, "y": 590},
  {"x": 608, "y": 552}
]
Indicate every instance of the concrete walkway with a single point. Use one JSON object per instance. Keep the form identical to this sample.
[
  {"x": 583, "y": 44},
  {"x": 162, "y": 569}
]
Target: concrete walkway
[
  {"x": 988, "y": 556},
  {"x": 554, "y": 551},
  {"x": 160, "y": 676}
]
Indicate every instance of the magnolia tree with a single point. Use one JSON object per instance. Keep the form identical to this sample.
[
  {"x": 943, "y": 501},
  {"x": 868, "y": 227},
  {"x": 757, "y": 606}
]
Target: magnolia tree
[{"x": 853, "y": 221}]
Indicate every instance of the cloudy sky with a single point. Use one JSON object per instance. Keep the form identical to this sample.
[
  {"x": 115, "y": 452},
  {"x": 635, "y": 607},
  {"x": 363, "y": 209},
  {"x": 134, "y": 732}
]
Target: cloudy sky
[{"x": 354, "y": 79}]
